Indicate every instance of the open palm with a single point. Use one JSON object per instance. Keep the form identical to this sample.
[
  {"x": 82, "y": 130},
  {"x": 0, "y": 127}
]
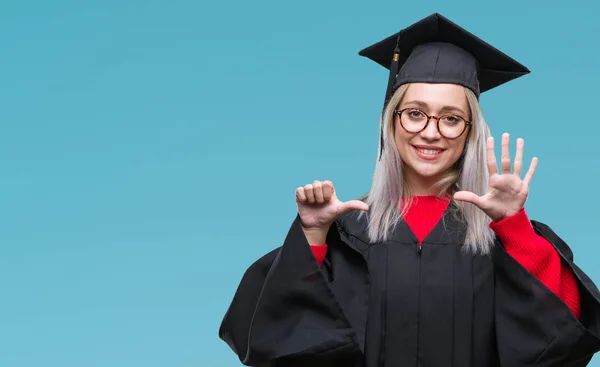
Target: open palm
[{"x": 507, "y": 192}]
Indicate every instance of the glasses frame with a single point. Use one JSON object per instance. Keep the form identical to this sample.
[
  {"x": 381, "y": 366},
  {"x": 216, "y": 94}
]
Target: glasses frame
[{"x": 437, "y": 120}]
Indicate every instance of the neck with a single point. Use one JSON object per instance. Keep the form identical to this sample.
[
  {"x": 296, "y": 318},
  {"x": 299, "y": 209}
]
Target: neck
[{"x": 420, "y": 185}]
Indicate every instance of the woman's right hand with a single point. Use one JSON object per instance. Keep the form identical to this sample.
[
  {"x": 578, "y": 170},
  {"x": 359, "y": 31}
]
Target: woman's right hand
[{"x": 318, "y": 207}]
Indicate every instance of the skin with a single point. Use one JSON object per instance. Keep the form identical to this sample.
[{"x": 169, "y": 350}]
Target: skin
[
  {"x": 319, "y": 206},
  {"x": 436, "y": 100},
  {"x": 507, "y": 192}
]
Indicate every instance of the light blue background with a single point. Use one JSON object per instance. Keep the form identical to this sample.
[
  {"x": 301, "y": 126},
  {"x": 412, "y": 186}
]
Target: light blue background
[{"x": 149, "y": 152}]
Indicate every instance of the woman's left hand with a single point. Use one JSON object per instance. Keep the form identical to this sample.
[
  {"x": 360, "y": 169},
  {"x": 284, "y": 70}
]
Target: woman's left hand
[{"x": 506, "y": 193}]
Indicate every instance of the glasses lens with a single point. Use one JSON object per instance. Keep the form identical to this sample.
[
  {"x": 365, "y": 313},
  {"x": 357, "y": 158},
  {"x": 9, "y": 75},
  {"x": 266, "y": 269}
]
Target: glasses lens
[
  {"x": 451, "y": 126},
  {"x": 413, "y": 120}
]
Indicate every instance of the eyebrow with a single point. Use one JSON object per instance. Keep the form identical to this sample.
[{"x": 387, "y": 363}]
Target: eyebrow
[{"x": 426, "y": 106}]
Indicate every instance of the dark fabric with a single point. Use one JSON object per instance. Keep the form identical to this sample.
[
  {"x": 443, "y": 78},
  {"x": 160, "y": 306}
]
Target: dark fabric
[
  {"x": 399, "y": 304},
  {"x": 533, "y": 316},
  {"x": 436, "y": 50},
  {"x": 285, "y": 312},
  {"x": 440, "y": 62}
]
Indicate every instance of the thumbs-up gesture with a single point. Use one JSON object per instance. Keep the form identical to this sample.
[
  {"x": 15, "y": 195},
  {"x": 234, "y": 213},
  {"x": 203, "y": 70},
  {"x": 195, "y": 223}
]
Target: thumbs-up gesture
[{"x": 319, "y": 206}]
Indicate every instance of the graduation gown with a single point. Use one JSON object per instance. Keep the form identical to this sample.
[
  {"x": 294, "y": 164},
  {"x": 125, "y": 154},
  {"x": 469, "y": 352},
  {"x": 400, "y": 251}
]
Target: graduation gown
[{"x": 397, "y": 303}]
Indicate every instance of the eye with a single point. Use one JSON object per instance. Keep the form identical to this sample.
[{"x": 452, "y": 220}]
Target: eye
[
  {"x": 415, "y": 114},
  {"x": 452, "y": 119}
]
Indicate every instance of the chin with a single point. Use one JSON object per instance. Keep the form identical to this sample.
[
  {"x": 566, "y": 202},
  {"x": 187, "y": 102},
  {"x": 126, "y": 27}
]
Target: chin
[{"x": 428, "y": 172}]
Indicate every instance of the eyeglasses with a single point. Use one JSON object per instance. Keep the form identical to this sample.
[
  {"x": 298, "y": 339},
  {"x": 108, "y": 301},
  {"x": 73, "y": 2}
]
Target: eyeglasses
[{"x": 414, "y": 121}]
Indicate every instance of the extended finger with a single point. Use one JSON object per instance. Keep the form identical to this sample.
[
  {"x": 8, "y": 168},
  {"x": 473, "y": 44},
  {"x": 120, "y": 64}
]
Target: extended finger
[
  {"x": 505, "y": 160},
  {"x": 491, "y": 157},
  {"x": 531, "y": 172},
  {"x": 310, "y": 195},
  {"x": 327, "y": 190},
  {"x": 468, "y": 197},
  {"x": 318, "y": 192},
  {"x": 300, "y": 195},
  {"x": 519, "y": 157},
  {"x": 353, "y": 205}
]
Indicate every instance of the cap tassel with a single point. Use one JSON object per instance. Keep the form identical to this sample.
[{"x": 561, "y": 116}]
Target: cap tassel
[
  {"x": 389, "y": 90},
  {"x": 393, "y": 75}
]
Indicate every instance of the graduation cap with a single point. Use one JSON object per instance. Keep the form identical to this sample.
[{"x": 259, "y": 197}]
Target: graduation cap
[{"x": 436, "y": 50}]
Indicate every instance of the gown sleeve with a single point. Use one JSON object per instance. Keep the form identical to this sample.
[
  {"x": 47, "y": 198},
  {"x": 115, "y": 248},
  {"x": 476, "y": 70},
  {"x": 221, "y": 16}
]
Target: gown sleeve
[
  {"x": 538, "y": 256},
  {"x": 534, "y": 327},
  {"x": 284, "y": 312}
]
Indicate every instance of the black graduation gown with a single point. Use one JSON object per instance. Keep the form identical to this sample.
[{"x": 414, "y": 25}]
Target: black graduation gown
[{"x": 400, "y": 304}]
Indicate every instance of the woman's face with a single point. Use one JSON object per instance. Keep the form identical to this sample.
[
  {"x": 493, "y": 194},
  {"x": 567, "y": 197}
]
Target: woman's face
[{"x": 427, "y": 155}]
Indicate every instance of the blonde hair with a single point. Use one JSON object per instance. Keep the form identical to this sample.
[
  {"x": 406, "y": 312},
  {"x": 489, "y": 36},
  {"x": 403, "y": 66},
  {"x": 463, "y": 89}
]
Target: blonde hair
[{"x": 469, "y": 173}]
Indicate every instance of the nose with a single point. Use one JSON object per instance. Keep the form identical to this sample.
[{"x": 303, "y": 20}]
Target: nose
[{"x": 431, "y": 131}]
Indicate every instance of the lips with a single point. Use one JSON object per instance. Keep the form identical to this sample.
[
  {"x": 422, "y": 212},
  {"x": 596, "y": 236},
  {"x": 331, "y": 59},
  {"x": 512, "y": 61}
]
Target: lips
[{"x": 428, "y": 152}]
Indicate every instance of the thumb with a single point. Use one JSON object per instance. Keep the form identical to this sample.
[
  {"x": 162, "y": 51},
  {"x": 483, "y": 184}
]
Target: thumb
[
  {"x": 467, "y": 196},
  {"x": 353, "y": 205}
]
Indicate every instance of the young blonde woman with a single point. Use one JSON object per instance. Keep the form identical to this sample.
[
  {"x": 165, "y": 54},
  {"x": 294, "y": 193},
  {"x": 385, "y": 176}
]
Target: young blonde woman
[{"x": 439, "y": 264}]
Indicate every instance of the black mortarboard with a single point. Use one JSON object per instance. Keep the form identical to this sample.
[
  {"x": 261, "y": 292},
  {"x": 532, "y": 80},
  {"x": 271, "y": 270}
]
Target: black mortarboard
[{"x": 436, "y": 50}]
